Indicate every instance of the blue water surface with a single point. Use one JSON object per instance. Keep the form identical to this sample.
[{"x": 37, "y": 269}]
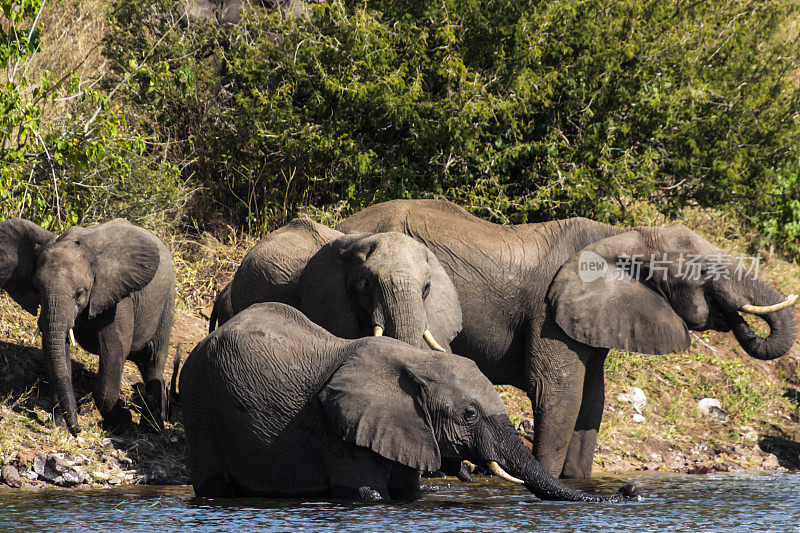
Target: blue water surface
[{"x": 672, "y": 502}]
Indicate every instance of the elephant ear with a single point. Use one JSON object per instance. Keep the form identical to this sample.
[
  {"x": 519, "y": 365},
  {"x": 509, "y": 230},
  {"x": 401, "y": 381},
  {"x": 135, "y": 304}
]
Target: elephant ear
[
  {"x": 601, "y": 298},
  {"x": 324, "y": 297},
  {"x": 125, "y": 260},
  {"x": 378, "y": 401},
  {"x": 442, "y": 305},
  {"x": 20, "y": 240}
]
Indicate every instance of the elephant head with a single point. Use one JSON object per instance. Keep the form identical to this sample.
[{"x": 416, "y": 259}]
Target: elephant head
[
  {"x": 375, "y": 284},
  {"x": 417, "y": 409},
  {"x": 19, "y": 243},
  {"x": 85, "y": 272},
  {"x": 644, "y": 289}
]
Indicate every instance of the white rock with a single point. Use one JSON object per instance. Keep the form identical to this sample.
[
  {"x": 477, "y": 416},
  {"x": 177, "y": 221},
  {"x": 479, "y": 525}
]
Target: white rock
[
  {"x": 711, "y": 408},
  {"x": 637, "y": 418},
  {"x": 634, "y": 396},
  {"x": 748, "y": 433},
  {"x": 770, "y": 461},
  {"x": 100, "y": 476}
]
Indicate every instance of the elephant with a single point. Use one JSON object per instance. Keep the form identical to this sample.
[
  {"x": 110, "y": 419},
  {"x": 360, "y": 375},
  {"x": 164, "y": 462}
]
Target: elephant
[
  {"x": 352, "y": 285},
  {"x": 543, "y": 304},
  {"x": 112, "y": 288},
  {"x": 274, "y": 405}
]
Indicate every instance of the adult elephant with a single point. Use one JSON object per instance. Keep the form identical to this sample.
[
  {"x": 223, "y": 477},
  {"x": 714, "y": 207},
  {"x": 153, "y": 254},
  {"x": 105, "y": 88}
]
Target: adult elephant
[
  {"x": 543, "y": 304},
  {"x": 352, "y": 285},
  {"x": 274, "y": 405},
  {"x": 113, "y": 285}
]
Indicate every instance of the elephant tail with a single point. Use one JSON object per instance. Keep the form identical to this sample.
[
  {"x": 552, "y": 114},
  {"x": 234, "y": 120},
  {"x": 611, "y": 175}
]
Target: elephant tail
[
  {"x": 174, "y": 395},
  {"x": 213, "y": 319}
]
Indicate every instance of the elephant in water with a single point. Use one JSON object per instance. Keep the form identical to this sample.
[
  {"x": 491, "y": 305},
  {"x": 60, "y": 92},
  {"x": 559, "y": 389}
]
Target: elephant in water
[
  {"x": 543, "y": 303},
  {"x": 274, "y": 405},
  {"x": 111, "y": 287},
  {"x": 352, "y": 285}
]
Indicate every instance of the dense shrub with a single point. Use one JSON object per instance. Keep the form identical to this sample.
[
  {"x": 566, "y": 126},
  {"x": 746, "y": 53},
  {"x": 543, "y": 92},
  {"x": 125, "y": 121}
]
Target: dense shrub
[
  {"x": 523, "y": 110},
  {"x": 68, "y": 155}
]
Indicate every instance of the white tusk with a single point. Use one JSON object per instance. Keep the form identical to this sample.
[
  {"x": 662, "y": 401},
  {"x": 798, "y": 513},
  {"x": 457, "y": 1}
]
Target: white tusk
[
  {"x": 499, "y": 472},
  {"x": 767, "y": 309},
  {"x": 35, "y": 335},
  {"x": 72, "y": 337},
  {"x": 431, "y": 341},
  {"x": 377, "y": 332}
]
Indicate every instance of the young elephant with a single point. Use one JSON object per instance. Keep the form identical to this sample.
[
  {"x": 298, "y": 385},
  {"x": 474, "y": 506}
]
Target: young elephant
[
  {"x": 352, "y": 285},
  {"x": 113, "y": 286},
  {"x": 274, "y": 405},
  {"x": 543, "y": 304}
]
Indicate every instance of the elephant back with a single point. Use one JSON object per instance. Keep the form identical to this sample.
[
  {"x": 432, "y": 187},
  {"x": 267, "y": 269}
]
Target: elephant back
[{"x": 270, "y": 271}]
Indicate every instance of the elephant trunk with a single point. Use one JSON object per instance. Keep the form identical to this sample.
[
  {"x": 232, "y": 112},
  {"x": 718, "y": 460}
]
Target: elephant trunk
[
  {"x": 55, "y": 325},
  {"x": 403, "y": 314},
  {"x": 517, "y": 462},
  {"x": 741, "y": 295}
]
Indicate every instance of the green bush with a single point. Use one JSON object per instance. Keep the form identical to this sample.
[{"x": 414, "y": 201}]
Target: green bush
[
  {"x": 68, "y": 155},
  {"x": 521, "y": 110}
]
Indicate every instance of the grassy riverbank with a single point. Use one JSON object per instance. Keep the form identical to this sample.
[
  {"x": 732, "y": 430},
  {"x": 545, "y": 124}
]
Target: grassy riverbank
[{"x": 669, "y": 433}]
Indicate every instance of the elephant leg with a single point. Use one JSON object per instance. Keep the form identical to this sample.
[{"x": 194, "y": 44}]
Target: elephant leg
[
  {"x": 357, "y": 473},
  {"x": 404, "y": 483},
  {"x": 555, "y": 376},
  {"x": 150, "y": 361},
  {"x": 115, "y": 343},
  {"x": 580, "y": 453}
]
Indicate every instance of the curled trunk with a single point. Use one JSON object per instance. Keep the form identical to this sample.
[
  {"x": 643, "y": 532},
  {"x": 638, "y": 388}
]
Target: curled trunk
[{"x": 782, "y": 324}]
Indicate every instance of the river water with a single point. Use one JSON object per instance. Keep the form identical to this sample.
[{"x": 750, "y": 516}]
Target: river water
[{"x": 672, "y": 502}]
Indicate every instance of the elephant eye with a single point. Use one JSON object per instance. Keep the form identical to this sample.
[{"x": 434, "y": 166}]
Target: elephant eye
[
  {"x": 80, "y": 293},
  {"x": 426, "y": 290},
  {"x": 470, "y": 414},
  {"x": 362, "y": 284}
]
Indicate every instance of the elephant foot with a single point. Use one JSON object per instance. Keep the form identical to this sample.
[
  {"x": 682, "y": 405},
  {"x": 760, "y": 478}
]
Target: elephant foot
[
  {"x": 147, "y": 402},
  {"x": 150, "y": 425},
  {"x": 62, "y": 421},
  {"x": 369, "y": 495},
  {"x": 118, "y": 420},
  {"x": 627, "y": 493}
]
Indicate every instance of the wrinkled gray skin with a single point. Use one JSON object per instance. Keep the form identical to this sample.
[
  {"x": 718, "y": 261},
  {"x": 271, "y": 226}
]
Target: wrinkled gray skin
[
  {"x": 114, "y": 285},
  {"x": 348, "y": 284},
  {"x": 274, "y": 405},
  {"x": 529, "y": 320}
]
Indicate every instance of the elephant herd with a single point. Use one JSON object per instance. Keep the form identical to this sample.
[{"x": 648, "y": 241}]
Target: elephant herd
[{"x": 298, "y": 389}]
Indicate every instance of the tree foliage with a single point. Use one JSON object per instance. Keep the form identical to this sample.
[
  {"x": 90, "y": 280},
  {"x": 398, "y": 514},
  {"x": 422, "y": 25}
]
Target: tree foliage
[
  {"x": 523, "y": 110},
  {"x": 68, "y": 154}
]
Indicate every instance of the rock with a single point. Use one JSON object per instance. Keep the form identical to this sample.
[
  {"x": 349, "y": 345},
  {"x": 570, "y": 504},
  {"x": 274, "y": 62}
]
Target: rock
[
  {"x": 634, "y": 396},
  {"x": 771, "y": 461},
  {"x": 701, "y": 469},
  {"x": 748, "y": 433},
  {"x": 650, "y": 466},
  {"x": 25, "y": 458},
  {"x": 711, "y": 408},
  {"x": 526, "y": 426},
  {"x": 11, "y": 477},
  {"x": 637, "y": 418},
  {"x": 100, "y": 477},
  {"x": 57, "y": 470}
]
